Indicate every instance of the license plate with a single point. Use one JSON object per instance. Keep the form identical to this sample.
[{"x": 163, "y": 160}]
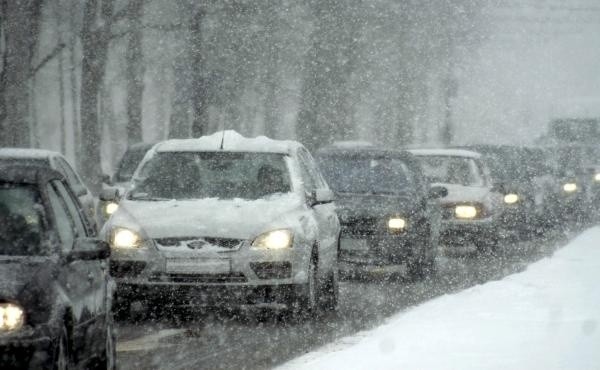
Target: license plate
[
  {"x": 198, "y": 266},
  {"x": 354, "y": 244}
]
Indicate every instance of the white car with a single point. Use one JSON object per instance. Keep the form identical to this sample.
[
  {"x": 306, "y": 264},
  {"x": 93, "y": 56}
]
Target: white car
[
  {"x": 225, "y": 220},
  {"x": 472, "y": 210},
  {"x": 55, "y": 161}
]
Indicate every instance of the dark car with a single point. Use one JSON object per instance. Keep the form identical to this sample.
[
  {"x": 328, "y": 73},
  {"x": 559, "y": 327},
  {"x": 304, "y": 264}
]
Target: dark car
[
  {"x": 524, "y": 177},
  {"x": 55, "y": 292},
  {"x": 387, "y": 212}
]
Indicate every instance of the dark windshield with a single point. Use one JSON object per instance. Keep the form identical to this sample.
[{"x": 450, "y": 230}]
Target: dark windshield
[
  {"x": 39, "y": 162},
  {"x": 20, "y": 220},
  {"x": 365, "y": 175},
  {"x": 131, "y": 159},
  {"x": 511, "y": 163},
  {"x": 189, "y": 175},
  {"x": 452, "y": 170}
]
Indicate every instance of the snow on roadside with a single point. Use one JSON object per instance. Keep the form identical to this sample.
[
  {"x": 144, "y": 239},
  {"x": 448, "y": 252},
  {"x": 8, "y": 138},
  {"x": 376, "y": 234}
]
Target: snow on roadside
[{"x": 547, "y": 317}]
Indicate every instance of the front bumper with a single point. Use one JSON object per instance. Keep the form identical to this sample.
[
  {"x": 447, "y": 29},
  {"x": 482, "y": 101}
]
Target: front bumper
[
  {"x": 28, "y": 348},
  {"x": 459, "y": 233},
  {"x": 379, "y": 251}
]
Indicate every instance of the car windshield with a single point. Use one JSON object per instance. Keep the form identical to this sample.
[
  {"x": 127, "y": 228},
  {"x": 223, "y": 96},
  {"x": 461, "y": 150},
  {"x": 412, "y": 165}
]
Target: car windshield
[
  {"x": 20, "y": 220},
  {"x": 365, "y": 175},
  {"x": 452, "y": 170},
  {"x": 39, "y": 162},
  {"x": 131, "y": 159},
  {"x": 225, "y": 175}
]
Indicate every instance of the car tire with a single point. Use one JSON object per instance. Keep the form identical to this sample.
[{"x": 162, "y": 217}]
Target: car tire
[
  {"x": 61, "y": 356},
  {"x": 306, "y": 298},
  {"x": 108, "y": 359},
  {"x": 330, "y": 292}
]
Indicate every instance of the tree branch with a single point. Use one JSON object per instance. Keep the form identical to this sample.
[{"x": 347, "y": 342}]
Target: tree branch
[{"x": 57, "y": 49}]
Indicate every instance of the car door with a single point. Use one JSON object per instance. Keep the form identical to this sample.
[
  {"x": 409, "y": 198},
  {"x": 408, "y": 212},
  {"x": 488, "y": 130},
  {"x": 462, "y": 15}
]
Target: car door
[
  {"x": 327, "y": 221},
  {"x": 83, "y": 281}
]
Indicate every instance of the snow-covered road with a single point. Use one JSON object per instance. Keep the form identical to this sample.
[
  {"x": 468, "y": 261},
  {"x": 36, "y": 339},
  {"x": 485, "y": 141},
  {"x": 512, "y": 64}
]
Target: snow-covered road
[
  {"x": 547, "y": 317},
  {"x": 236, "y": 341}
]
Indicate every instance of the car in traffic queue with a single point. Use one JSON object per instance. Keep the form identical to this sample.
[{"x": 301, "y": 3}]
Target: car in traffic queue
[
  {"x": 526, "y": 182},
  {"x": 121, "y": 179},
  {"x": 55, "y": 161},
  {"x": 226, "y": 221},
  {"x": 56, "y": 293},
  {"x": 472, "y": 210},
  {"x": 390, "y": 218}
]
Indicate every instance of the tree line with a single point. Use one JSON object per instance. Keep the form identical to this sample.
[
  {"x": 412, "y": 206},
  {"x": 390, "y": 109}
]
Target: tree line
[{"x": 88, "y": 77}]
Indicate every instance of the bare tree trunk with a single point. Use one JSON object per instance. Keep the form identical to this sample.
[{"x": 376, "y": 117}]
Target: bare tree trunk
[
  {"x": 179, "y": 122},
  {"x": 21, "y": 19},
  {"x": 135, "y": 72},
  {"x": 95, "y": 39},
  {"x": 74, "y": 87},
  {"x": 61, "y": 79},
  {"x": 200, "y": 88}
]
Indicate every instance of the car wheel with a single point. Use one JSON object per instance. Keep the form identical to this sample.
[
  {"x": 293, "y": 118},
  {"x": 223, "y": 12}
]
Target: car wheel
[
  {"x": 330, "y": 296},
  {"x": 61, "y": 356},
  {"x": 108, "y": 359},
  {"x": 306, "y": 300}
]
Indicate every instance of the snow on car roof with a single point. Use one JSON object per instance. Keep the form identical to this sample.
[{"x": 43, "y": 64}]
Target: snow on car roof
[
  {"x": 445, "y": 152},
  {"x": 232, "y": 142},
  {"x": 27, "y": 153}
]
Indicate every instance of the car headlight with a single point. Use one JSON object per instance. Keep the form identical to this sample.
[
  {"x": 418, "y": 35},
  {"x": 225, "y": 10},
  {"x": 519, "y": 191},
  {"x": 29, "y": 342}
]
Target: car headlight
[
  {"x": 465, "y": 212},
  {"x": 125, "y": 238},
  {"x": 597, "y": 177},
  {"x": 511, "y": 198},
  {"x": 12, "y": 317},
  {"x": 570, "y": 187},
  {"x": 110, "y": 208},
  {"x": 396, "y": 224},
  {"x": 276, "y": 239}
]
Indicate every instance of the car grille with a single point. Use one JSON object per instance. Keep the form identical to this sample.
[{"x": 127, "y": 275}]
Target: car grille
[
  {"x": 360, "y": 226},
  {"x": 200, "y": 278},
  {"x": 121, "y": 269},
  {"x": 226, "y": 243}
]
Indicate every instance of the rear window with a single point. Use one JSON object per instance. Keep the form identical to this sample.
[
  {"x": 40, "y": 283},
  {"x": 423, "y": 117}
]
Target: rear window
[{"x": 20, "y": 220}]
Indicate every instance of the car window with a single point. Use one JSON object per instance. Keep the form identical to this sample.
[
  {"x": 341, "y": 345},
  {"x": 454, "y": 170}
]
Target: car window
[
  {"x": 128, "y": 164},
  {"x": 74, "y": 209},
  {"x": 198, "y": 175},
  {"x": 72, "y": 178},
  {"x": 21, "y": 226},
  {"x": 452, "y": 170},
  {"x": 64, "y": 223}
]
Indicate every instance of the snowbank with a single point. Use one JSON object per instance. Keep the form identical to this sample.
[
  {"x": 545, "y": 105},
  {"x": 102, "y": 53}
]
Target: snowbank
[{"x": 547, "y": 317}]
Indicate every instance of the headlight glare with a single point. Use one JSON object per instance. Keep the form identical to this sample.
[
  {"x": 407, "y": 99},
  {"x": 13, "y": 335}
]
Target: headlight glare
[
  {"x": 110, "y": 208},
  {"x": 597, "y": 177},
  {"x": 465, "y": 212},
  {"x": 125, "y": 238},
  {"x": 396, "y": 223},
  {"x": 12, "y": 317},
  {"x": 511, "y": 198},
  {"x": 276, "y": 239},
  {"x": 570, "y": 187}
]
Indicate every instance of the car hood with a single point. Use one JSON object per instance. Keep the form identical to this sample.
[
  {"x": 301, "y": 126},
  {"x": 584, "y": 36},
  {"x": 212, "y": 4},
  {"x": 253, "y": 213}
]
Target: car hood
[
  {"x": 363, "y": 205},
  {"x": 23, "y": 278},
  {"x": 211, "y": 217},
  {"x": 461, "y": 193}
]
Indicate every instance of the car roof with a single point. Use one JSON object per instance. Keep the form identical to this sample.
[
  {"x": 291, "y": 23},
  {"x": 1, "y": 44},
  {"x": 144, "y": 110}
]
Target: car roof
[
  {"x": 27, "y": 153},
  {"x": 362, "y": 151},
  {"x": 28, "y": 174},
  {"x": 141, "y": 146},
  {"x": 232, "y": 142},
  {"x": 446, "y": 153}
]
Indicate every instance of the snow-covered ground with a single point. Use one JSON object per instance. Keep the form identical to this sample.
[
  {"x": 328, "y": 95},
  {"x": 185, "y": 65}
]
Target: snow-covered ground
[{"x": 547, "y": 317}]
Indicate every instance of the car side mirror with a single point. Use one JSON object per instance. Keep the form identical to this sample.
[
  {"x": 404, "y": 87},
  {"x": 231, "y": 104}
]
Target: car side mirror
[
  {"x": 109, "y": 195},
  {"x": 106, "y": 179},
  {"x": 499, "y": 187},
  {"x": 321, "y": 196},
  {"x": 89, "y": 249},
  {"x": 437, "y": 192}
]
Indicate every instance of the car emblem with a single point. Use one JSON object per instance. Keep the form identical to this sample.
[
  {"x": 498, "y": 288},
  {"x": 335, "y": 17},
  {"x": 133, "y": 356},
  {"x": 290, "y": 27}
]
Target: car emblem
[{"x": 196, "y": 244}]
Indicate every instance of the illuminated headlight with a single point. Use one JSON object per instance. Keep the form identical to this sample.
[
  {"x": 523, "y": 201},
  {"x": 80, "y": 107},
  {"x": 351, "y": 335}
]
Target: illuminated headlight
[
  {"x": 12, "y": 317},
  {"x": 276, "y": 239},
  {"x": 396, "y": 224},
  {"x": 597, "y": 177},
  {"x": 110, "y": 208},
  {"x": 570, "y": 187},
  {"x": 511, "y": 198},
  {"x": 125, "y": 239},
  {"x": 465, "y": 212}
]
